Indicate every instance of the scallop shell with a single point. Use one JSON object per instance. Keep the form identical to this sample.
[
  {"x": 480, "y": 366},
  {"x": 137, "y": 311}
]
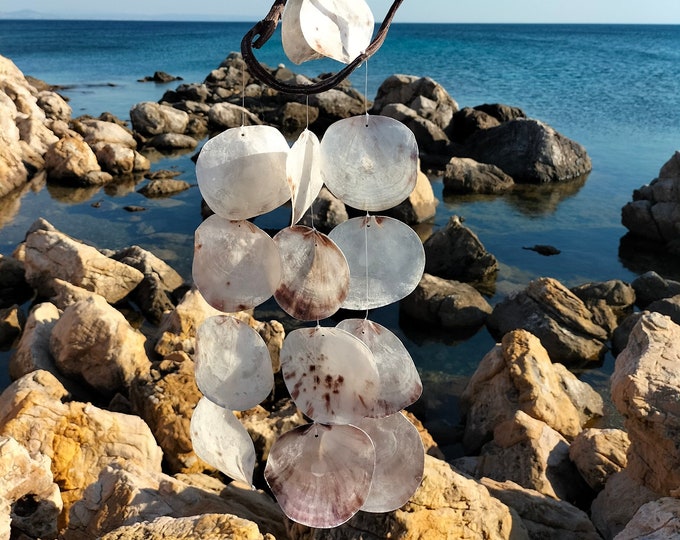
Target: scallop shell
[
  {"x": 315, "y": 275},
  {"x": 303, "y": 170},
  {"x": 321, "y": 475},
  {"x": 395, "y": 264},
  {"x": 330, "y": 374},
  {"x": 220, "y": 440},
  {"x": 400, "y": 384},
  {"x": 399, "y": 462},
  {"x": 233, "y": 365},
  {"x": 236, "y": 264},
  {"x": 337, "y": 29},
  {"x": 369, "y": 162},
  {"x": 242, "y": 172}
]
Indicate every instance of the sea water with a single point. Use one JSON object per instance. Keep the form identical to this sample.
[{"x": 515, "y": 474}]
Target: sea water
[{"x": 613, "y": 88}]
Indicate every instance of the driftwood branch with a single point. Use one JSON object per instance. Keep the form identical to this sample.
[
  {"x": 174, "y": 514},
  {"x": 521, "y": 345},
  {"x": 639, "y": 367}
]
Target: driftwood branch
[{"x": 259, "y": 34}]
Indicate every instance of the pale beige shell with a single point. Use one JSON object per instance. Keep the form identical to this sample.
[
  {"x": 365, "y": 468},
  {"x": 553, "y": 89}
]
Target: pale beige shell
[{"x": 303, "y": 171}]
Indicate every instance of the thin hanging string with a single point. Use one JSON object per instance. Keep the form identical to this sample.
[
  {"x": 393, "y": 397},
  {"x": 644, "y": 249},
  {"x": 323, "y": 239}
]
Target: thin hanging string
[
  {"x": 311, "y": 207},
  {"x": 366, "y": 92},
  {"x": 243, "y": 96},
  {"x": 368, "y": 224}
]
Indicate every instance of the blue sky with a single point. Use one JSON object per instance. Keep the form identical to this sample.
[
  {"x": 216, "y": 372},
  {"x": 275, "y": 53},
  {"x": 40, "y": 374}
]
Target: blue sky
[{"x": 552, "y": 11}]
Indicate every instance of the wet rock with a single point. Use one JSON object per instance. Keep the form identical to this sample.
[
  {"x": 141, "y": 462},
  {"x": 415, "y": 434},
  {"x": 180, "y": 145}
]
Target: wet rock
[
  {"x": 420, "y": 206},
  {"x": 647, "y": 372},
  {"x": 164, "y": 187},
  {"x": 555, "y": 315},
  {"x": 657, "y": 519},
  {"x": 533, "y": 455},
  {"x": 447, "y": 504},
  {"x": 456, "y": 253},
  {"x": 51, "y": 254},
  {"x": 79, "y": 438},
  {"x": 151, "y": 119},
  {"x": 617, "y": 503},
  {"x": 529, "y": 151},
  {"x": 13, "y": 286},
  {"x": 650, "y": 286},
  {"x": 28, "y": 488},
  {"x": 126, "y": 493},
  {"x": 71, "y": 161},
  {"x": 206, "y": 527},
  {"x": 518, "y": 375},
  {"x": 94, "y": 342},
  {"x": 543, "y": 516},
  {"x": 446, "y": 303},
  {"x": 654, "y": 212},
  {"x": 166, "y": 399},
  {"x": 464, "y": 175},
  {"x": 12, "y": 321},
  {"x": 598, "y": 454}
]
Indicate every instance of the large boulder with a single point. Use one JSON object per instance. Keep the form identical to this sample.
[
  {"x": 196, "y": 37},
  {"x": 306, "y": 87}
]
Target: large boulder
[
  {"x": 149, "y": 119},
  {"x": 455, "y": 252},
  {"x": 609, "y": 301},
  {"x": 555, "y": 315},
  {"x": 518, "y": 375},
  {"x": 33, "y": 350},
  {"x": 430, "y": 137},
  {"x": 465, "y": 175},
  {"x": 599, "y": 453},
  {"x": 98, "y": 131},
  {"x": 529, "y": 151},
  {"x": 51, "y": 254},
  {"x": 650, "y": 287},
  {"x": 654, "y": 213},
  {"x": 654, "y": 520},
  {"x": 71, "y": 161},
  {"x": 644, "y": 386}
]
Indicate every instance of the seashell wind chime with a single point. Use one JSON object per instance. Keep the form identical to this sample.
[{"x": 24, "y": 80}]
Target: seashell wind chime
[{"x": 352, "y": 380}]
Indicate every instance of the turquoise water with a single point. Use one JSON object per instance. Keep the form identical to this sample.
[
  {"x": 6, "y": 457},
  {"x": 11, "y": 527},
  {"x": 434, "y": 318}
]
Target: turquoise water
[{"x": 614, "y": 89}]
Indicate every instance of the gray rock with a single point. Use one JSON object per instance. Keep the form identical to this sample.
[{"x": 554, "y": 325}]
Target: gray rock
[
  {"x": 610, "y": 301},
  {"x": 447, "y": 304},
  {"x": 465, "y": 175},
  {"x": 502, "y": 113},
  {"x": 172, "y": 141},
  {"x": 667, "y": 306},
  {"x": 455, "y": 252},
  {"x": 163, "y": 187},
  {"x": 430, "y": 137},
  {"x": 651, "y": 286},
  {"x": 656, "y": 520},
  {"x": 528, "y": 151},
  {"x": 326, "y": 212},
  {"x": 227, "y": 115},
  {"x": 468, "y": 121}
]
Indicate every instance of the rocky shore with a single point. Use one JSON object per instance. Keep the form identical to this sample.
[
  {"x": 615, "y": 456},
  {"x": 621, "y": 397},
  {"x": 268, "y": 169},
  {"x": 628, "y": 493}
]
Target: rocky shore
[{"x": 94, "y": 430}]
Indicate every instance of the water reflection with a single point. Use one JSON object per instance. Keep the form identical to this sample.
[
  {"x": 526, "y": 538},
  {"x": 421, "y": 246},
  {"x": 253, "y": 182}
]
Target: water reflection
[
  {"x": 537, "y": 200},
  {"x": 72, "y": 195},
  {"x": 640, "y": 255}
]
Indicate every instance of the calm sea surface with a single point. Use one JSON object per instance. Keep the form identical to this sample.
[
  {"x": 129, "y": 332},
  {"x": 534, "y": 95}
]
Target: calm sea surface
[{"x": 614, "y": 89}]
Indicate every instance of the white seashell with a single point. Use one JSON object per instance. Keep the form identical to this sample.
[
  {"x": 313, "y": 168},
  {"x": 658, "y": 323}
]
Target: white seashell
[
  {"x": 395, "y": 264},
  {"x": 236, "y": 264},
  {"x": 233, "y": 365},
  {"x": 400, "y": 384},
  {"x": 315, "y": 275},
  {"x": 220, "y": 440},
  {"x": 369, "y": 162},
  {"x": 242, "y": 172},
  {"x": 337, "y": 29},
  {"x": 330, "y": 374},
  {"x": 399, "y": 462},
  {"x": 321, "y": 475},
  {"x": 303, "y": 171}
]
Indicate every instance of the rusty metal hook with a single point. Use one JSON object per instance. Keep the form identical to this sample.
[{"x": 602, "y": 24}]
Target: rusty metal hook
[{"x": 259, "y": 34}]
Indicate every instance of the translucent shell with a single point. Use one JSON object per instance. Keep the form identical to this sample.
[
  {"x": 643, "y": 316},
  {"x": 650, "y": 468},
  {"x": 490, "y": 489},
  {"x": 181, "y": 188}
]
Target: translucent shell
[
  {"x": 220, "y": 440},
  {"x": 369, "y": 162},
  {"x": 330, "y": 374},
  {"x": 233, "y": 365},
  {"x": 303, "y": 171},
  {"x": 242, "y": 172},
  {"x": 400, "y": 384},
  {"x": 337, "y": 29},
  {"x": 315, "y": 275},
  {"x": 321, "y": 475},
  {"x": 236, "y": 264},
  {"x": 399, "y": 462},
  {"x": 395, "y": 264}
]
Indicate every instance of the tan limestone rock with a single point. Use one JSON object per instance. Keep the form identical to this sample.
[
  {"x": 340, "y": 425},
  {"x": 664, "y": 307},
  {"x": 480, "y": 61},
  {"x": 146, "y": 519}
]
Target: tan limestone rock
[
  {"x": 420, "y": 205},
  {"x": 126, "y": 493},
  {"x": 12, "y": 321},
  {"x": 92, "y": 340},
  {"x": 598, "y": 454},
  {"x": 51, "y": 254},
  {"x": 33, "y": 350},
  {"x": 517, "y": 375},
  {"x": 205, "y": 527},
  {"x": 655, "y": 520},
  {"x": 71, "y": 160},
  {"x": 543, "y": 516},
  {"x": 645, "y": 387},
  {"x": 27, "y": 486}
]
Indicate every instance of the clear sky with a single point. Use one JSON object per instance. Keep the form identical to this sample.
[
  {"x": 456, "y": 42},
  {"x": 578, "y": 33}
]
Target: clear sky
[{"x": 508, "y": 11}]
